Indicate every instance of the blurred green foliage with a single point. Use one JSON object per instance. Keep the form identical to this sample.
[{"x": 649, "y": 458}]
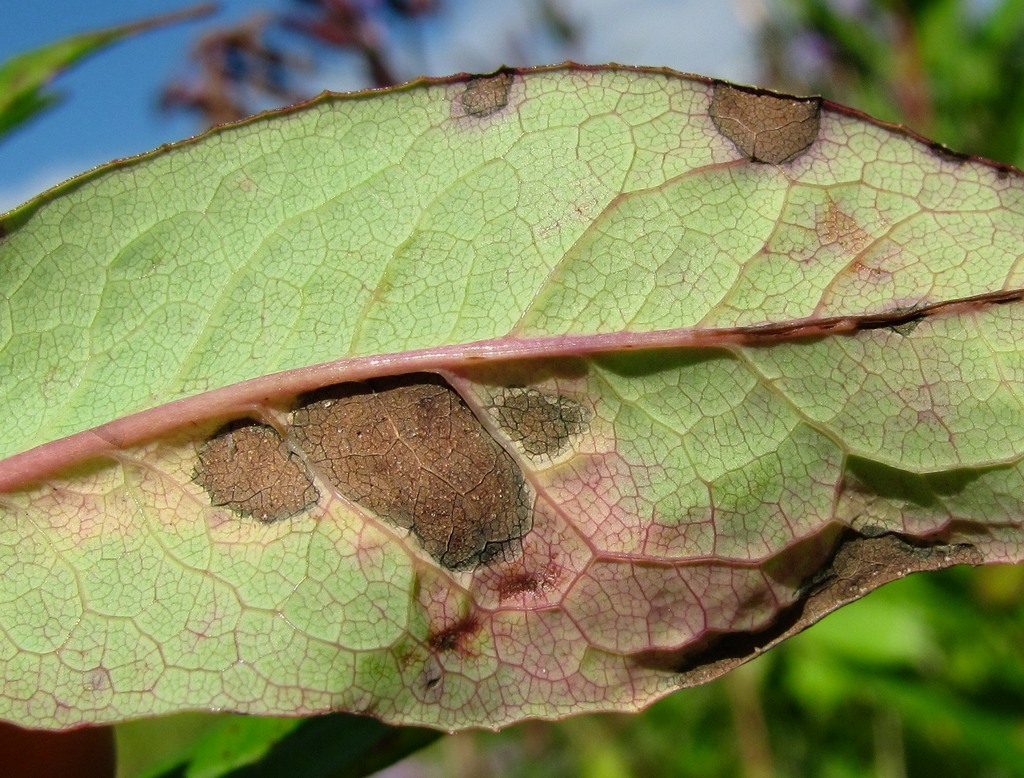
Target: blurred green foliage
[
  {"x": 25, "y": 78},
  {"x": 208, "y": 745},
  {"x": 951, "y": 70}
]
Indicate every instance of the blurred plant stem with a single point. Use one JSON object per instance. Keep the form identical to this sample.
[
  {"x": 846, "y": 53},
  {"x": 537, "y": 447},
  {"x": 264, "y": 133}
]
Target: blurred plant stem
[
  {"x": 910, "y": 82},
  {"x": 239, "y": 69},
  {"x": 593, "y": 740},
  {"x": 744, "y": 687},
  {"x": 890, "y": 755}
]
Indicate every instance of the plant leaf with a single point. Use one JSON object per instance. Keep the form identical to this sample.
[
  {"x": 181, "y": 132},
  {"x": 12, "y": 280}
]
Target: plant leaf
[
  {"x": 23, "y": 78},
  {"x": 494, "y": 397}
]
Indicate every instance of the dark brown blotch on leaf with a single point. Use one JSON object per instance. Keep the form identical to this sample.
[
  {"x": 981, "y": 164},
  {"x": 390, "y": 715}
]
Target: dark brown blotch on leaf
[
  {"x": 246, "y": 467},
  {"x": 905, "y": 328},
  {"x": 534, "y": 584},
  {"x": 485, "y": 95},
  {"x": 411, "y": 451},
  {"x": 542, "y": 424},
  {"x": 946, "y": 153},
  {"x": 455, "y": 638},
  {"x": 766, "y": 127}
]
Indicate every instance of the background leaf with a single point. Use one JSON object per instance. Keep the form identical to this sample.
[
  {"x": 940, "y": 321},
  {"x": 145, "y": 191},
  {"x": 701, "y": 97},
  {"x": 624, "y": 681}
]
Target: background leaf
[{"x": 24, "y": 78}]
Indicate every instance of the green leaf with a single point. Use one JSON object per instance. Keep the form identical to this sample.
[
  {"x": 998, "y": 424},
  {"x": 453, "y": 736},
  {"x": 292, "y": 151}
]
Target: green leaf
[
  {"x": 490, "y": 398},
  {"x": 338, "y": 746},
  {"x": 195, "y": 745},
  {"x": 236, "y": 742},
  {"x": 24, "y": 78}
]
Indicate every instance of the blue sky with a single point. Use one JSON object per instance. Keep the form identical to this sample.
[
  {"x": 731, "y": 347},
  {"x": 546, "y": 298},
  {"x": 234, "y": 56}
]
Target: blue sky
[{"x": 111, "y": 112}]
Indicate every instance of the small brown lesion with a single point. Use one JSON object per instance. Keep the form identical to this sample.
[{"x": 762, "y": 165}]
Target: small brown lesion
[
  {"x": 945, "y": 153},
  {"x": 906, "y": 319},
  {"x": 529, "y": 583},
  {"x": 486, "y": 95},
  {"x": 836, "y": 226},
  {"x": 246, "y": 467},
  {"x": 764, "y": 126},
  {"x": 456, "y": 637},
  {"x": 541, "y": 424}
]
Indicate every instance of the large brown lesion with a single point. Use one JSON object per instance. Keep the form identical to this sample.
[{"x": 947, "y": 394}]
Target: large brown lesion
[
  {"x": 764, "y": 126},
  {"x": 247, "y": 467},
  {"x": 411, "y": 452}
]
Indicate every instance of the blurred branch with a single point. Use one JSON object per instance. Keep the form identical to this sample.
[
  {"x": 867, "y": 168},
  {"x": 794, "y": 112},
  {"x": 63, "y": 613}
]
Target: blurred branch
[
  {"x": 743, "y": 687},
  {"x": 236, "y": 67},
  {"x": 233, "y": 61},
  {"x": 236, "y": 71}
]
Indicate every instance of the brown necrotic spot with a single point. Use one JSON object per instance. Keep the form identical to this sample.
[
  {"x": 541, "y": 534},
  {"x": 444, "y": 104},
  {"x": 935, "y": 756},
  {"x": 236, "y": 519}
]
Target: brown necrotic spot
[
  {"x": 410, "y": 451},
  {"x": 246, "y": 467},
  {"x": 834, "y": 226},
  {"x": 542, "y": 424},
  {"x": 944, "y": 152},
  {"x": 487, "y": 94},
  {"x": 766, "y": 127},
  {"x": 457, "y": 637},
  {"x": 534, "y": 584}
]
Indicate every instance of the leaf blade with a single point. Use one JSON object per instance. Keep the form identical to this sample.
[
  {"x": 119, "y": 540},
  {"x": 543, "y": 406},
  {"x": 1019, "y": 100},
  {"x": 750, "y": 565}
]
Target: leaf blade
[{"x": 713, "y": 374}]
